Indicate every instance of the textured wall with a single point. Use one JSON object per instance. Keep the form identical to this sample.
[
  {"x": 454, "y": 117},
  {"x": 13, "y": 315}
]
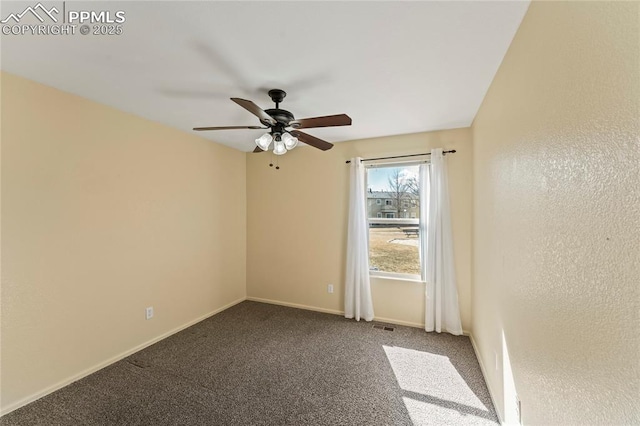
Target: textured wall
[
  {"x": 557, "y": 217},
  {"x": 297, "y": 225},
  {"x": 104, "y": 214}
]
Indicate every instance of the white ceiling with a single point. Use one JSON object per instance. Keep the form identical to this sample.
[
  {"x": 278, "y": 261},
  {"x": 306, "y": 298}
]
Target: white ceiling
[{"x": 394, "y": 67}]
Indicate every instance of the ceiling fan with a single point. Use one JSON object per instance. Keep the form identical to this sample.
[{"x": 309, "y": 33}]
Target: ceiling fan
[{"x": 283, "y": 127}]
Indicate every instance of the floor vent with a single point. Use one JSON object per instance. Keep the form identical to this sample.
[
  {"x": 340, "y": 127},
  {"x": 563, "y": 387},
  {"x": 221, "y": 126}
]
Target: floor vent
[{"x": 383, "y": 327}]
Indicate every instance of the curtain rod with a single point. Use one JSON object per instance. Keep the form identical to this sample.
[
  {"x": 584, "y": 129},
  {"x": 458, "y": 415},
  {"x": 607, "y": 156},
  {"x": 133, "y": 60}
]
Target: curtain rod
[{"x": 402, "y": 156}]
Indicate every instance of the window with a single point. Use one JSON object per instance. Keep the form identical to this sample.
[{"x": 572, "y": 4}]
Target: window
[
  {"x": 379, "y": 201},
  {"x": 394, "y": 239}
]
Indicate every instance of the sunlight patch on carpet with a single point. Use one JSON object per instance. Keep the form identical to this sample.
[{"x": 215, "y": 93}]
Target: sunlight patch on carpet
[{"x": 433, "y": 387}]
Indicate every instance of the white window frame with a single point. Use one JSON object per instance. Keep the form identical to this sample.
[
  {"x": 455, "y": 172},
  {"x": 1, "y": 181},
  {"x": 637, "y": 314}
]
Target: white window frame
[
  {"x": 399, "y": 221},
  {"x": 378, "y": 201}
]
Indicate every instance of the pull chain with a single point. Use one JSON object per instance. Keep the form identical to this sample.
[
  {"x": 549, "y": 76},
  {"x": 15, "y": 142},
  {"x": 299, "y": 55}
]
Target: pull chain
[{"x": 271, "y": 162}]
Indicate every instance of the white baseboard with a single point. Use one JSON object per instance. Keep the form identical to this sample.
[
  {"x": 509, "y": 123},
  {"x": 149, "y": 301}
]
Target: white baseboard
[
  {"x": 93, "y": 369},
  {"x": 333, "y": 311},
  {"x": 296, "y": 305},
  {"x": 399, "y": 322},
  {"x": 484, "y": 375}
]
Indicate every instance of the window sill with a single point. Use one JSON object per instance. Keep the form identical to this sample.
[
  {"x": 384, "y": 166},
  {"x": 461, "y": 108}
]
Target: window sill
[{"x": 388, "y": 276}]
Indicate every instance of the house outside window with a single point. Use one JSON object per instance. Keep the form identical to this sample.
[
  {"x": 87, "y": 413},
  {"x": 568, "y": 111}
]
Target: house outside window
[{"x": 394, "y": 225}]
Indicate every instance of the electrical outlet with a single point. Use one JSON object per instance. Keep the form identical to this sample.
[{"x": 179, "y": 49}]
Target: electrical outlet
[
  {"x": 149, "y": 312},
  {"x": 330, "y": 288},
  {"x": 518, "y": 410}
]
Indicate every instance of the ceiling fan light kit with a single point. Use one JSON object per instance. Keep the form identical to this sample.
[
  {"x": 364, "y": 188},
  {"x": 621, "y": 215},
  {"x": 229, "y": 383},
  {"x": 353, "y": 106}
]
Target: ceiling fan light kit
[
  {"x": 264, "y": 141},
  {"x": 283, "y": 126},
  {"x": 290, "y": 142},
  {"x": 278, "y": 148},
  {"x": 282, "y": 144}
]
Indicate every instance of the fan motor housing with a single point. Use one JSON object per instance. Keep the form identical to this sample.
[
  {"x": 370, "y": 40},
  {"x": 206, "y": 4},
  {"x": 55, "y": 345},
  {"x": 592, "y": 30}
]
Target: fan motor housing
[{"x": 280, "y": 115}]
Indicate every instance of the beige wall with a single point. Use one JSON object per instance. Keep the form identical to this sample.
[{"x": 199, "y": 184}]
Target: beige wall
[
  {"x": 557, "y": 220},
  {"x": 297, "y": 225},
  {"x": 104, "y": 214}
]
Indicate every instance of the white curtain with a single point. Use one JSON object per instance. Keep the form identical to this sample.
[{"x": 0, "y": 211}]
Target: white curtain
[
  {"x": 436, "y": 248},
  {"x": 357, "y": 297}
]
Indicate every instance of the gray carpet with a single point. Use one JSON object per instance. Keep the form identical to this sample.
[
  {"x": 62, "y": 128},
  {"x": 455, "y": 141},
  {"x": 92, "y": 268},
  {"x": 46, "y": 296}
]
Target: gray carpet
[{"x": 259, "y": 364}]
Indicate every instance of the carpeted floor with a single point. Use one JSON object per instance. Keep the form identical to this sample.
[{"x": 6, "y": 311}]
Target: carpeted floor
[{"x": 259, "y": 364}]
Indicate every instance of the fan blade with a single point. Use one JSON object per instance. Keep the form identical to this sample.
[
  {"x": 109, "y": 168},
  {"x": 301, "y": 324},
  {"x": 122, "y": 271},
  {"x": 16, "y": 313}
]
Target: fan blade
[
  {"x": 312, "y": 140},
  {"x": 258, "y": 149},
  {"x": 255, "y": 110},
  {"x": 326, "y": 121},
  {"x": 228, "y": 128}
]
